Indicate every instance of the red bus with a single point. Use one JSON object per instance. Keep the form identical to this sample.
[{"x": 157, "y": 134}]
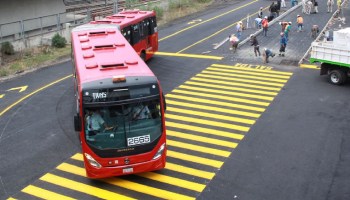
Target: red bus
[
  {"x": 120, "y": 104},
  {"x": 139, "y": 28}
]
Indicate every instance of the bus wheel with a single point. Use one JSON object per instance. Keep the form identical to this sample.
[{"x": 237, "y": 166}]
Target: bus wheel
[
  {"x": 143, "y": 56},
  {"x": 337, "y": 77}
]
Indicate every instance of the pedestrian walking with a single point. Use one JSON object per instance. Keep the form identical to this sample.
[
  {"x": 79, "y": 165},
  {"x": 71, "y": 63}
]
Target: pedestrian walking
[
  {"x": 339, "y": 5},
  {"x": 314, "y": 31},
  {"x": 287, "y": 30},
  {"x": 260, "y": 13},
  {"x": 258, "y": 22},
  {"x": 283, "y": 25},
  {"x": 266, "y": 54},
  {"x": 283, "y": 4},
  {"x": 239, "y": 29},
  {"x": 300, "y": 22},
  {"x": 265, "y": 25},
  {"x": 283, "y": 44},
  {"x": 330, "y": 5},
  {"x": 316, "y": 7},
  {"x": 255, "y": 43}
]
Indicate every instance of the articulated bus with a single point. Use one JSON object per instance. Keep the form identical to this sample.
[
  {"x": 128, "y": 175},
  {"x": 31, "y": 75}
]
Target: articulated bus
[
  {"x": 139, "y": 28},
  {"x": 120, "y": 104}
]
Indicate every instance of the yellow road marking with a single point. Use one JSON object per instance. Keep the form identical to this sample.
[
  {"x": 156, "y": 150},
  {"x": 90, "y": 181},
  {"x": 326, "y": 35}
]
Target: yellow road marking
[
  {"x": 235, "y": 82},
  {"x": 208, "y": 122},
  {"x": 188, "y": 55},
  {"x": 227, "y": 98},
  {"x": 309, "y": 66},
  {"x": 201, "y": 139},
  {"x": 218, "y": 82},
  {"x": 214, "y": 34},
  {"x": 21, "y": 89},
  {"x": 205, "y": 130},
  {"x": 189, "y": 171},
  {"x": 11, "y": 198},
  {"x": 239, "y": 67},
  {"x": 195, "y": 159},
  {"x": 1, "y": 96},
  {"x": 173, "y": 181},
  {"x": 208, "y": 74},
  {"x": 44, "y": 194},
  {"x": 32, "y": 93},
  {"x": 80, "y": 187},
  {"x": 185, "y": 29},
  {"x": 255, "y": 73},
  {"x": 124, "y": 184},
  {"x": 198, "y": 148},
  {"x": 244, "y": 75},
  {"x": 211, "y": 115},
  {"x": 231, "y": 105},
  {"x": 212, "y": 108}
]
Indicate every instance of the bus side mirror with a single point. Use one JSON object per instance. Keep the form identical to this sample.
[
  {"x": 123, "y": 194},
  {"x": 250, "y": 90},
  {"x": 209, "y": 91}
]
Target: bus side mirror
[{"x": 77, "y": 123}]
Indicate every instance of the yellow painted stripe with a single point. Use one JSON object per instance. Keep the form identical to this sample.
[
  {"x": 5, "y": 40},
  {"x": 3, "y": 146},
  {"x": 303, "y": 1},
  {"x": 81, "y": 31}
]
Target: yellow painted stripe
[
  {"x": 201, "y": 139},
  {"x": 239, "y": 67},
  {"x": 227, "y": 98},
  {"x": 189, "y": 171},
  {"x": 171, "y": 166},
  {"x": 232, "y": 85},
  {"x": 250, "y": 72},
  {"x": 188, "y": 55},
  {"x": 11, "y": 198},
  {"x": 32, "y": 93},
  {"x": 248, "y": 76},
  {"x": 205, "y": 130},
  {"x": 207, "y": 122},
  {"x": 223, "y": 76},
  {"x": 198, "y": 148},
  {"x": 211, "y": 115},
  {"x": 309, "y": 66},
  {"x": 234, "y": 82},
  {"x": 212, "y": 108},
  {"x": 218, "y": 16},
  {"x": 173, "y": 181},
  {"x": 253, "y": 78},
  {"x": 126, "y": 184},
  {"x": 80, "y": 187},
  {"x": 207, "y": 101},
  {"x": 195, "y": 159},
  {"x": 44, "y": 194}
]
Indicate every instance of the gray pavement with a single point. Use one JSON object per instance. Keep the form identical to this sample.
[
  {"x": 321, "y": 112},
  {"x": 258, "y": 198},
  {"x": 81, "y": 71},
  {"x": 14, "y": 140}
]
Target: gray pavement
[{"x": 299, "y": 42}]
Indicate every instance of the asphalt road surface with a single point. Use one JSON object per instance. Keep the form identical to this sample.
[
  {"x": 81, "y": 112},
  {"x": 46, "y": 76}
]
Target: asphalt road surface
[{"x": 236, "y": 128}]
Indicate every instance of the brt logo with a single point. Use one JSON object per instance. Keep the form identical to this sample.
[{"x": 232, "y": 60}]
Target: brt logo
[{"x": 100, "y": 95}]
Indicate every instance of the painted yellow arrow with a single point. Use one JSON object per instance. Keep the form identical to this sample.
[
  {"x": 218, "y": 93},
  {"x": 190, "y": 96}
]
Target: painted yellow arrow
[{"x": 21, "y": 89}]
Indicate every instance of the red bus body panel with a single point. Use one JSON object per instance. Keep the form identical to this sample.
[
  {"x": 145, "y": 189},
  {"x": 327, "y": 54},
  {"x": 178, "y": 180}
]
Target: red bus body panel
[{"x": 88, "y": 61}]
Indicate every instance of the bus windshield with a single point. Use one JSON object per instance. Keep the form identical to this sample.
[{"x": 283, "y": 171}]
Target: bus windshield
[{"x": 123, "y": 126}]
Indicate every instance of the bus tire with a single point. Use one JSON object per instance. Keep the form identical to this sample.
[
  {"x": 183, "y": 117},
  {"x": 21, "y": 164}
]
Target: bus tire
[
  {"x": 337, "y": 77},
  {"x": 143, "y": 56}
]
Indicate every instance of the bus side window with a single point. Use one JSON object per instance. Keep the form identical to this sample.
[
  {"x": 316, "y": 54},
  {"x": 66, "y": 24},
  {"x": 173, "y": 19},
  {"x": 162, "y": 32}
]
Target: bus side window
[
  {"x": 145, "y": 27},
  {"x": 127, "y": 33},
  {"x": 152, "y": 25},
  {"x": 135, "y": 34}
]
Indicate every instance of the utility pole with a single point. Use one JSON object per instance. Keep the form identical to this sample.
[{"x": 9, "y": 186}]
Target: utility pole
[{"x": 115, "y": 6}]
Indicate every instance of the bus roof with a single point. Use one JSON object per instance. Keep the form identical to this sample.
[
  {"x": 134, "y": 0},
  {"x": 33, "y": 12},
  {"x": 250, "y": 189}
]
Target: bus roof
[
  {"x": 126, "y": 18},
  {"x": 101, "y": 52}
]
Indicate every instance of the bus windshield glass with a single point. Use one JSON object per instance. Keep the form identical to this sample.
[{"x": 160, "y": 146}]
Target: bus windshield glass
[{"x": 123, "y": 126}]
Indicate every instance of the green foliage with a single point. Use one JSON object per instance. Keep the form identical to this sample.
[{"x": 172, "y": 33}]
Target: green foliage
[
  {"x": 203, "y": 1},
  {"x": 58, "y": 41},
  {"x": 130, "y": 3},
  {"x": 7, "y": 48},
  {"x": 159, "y": 11}
]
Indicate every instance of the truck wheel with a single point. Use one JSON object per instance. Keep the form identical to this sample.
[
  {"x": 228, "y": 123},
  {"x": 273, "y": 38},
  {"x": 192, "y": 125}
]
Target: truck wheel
[
  {"x": 337, "y": 77},
  {"x": 143, "y": 56}
]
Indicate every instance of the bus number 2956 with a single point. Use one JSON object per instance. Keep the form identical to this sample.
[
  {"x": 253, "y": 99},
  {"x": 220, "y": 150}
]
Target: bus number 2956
[{"x": 143, "y": 139}]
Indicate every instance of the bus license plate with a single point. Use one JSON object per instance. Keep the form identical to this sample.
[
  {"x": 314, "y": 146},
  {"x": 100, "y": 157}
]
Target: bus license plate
[{"x": 128, "y": 170}]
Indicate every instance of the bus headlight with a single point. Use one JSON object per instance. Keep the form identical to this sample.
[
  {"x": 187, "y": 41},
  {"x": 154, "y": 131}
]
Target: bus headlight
[
  {"x": 92, "y": 161},
  {"x": 159, "y": 152}
]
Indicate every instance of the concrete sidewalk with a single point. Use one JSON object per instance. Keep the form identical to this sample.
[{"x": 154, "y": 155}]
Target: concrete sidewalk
[{"x": 298, "y": 44}]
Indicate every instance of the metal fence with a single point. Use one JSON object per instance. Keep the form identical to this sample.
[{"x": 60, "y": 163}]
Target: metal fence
[{"x": 41, "y": 26}]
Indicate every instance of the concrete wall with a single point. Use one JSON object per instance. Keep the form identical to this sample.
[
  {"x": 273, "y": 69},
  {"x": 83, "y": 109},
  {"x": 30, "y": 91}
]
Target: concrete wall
[{"x": 16, "y": 10}]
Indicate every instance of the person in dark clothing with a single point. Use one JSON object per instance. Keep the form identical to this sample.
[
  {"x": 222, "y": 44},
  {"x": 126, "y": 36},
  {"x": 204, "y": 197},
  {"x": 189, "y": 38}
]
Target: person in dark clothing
[
  {"x": 283, "y": 43},
  {"x": 255, "y": 43},
  {"x": 266, "y": 54}
]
